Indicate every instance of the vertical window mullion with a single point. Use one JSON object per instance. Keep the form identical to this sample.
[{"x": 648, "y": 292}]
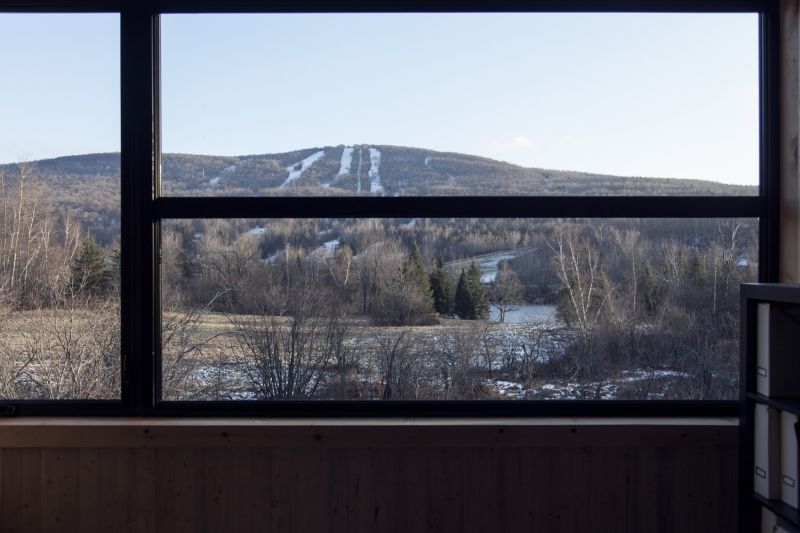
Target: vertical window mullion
[
  {"x": 138, "y": 32},
  {"x": 769, "y": 140}
]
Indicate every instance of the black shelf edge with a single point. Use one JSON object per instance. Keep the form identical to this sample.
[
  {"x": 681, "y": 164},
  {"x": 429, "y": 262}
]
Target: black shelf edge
[
  {"x": 783, "y": 510},
  {"x": 786, "y": 293},
  {"x": 791, "y": 405}
]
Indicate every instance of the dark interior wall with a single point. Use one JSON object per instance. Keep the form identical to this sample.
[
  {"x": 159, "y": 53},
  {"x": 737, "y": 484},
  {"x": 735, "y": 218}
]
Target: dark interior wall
[{"x": 256, "y": 476}]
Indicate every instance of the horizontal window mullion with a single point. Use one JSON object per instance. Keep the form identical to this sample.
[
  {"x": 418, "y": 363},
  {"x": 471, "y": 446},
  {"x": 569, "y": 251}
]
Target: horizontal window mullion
[
  {"x": 452, "y": 408},
  {"x": 426, "y": 6},
  {"x": 62, "y": 408},
  {"x": 61, "y": 6},
  {"x": 463, "y": 206}
]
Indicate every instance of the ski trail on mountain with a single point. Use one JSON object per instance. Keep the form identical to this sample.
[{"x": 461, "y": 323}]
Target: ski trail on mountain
[
  {"x": 347, "y": 160},
  {"x": 375, "y": 186},
  {"x": 296, "y": 170},
  {"x": 344, "y": 166},
  {"x": 360, "y": 162}
]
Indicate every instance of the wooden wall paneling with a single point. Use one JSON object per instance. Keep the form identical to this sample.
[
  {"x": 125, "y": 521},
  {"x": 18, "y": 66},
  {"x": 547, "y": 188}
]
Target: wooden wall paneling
[
  {"x": 145, "y": 487},
  {"x": 414, "y": 482},
  {"x": 312, "y": 487},
  {"x": 573, "y": 484},
  {"x": 215, "y": 465},
  {"x": 115, "y": 478},
  {"x": 646, "y": 486},
  {"x": 606, "y": 469},
  {"x": 445, "y": 489},
  {"x": 360, "y": 490},
  {"x": 387, "y": 489},
  {"x": 281, "y": 490},
  {"x": 60, "y": 494},
  {"x": 480, "y": 494},
  {"x": 11, "y": 482},
  {"x": 513, "y": 483},
  {"x": 790, "y": 141},
  {"x": 260, "y": 482},
  {"x": 309, "y": 492},
  {"x": 90, "y": 507},
  {"x": 666, "y": 500},
  {"x": 179, "y": 487},
  {"x": 31, "y": 511},
  {"x": 338, "y": 502}
]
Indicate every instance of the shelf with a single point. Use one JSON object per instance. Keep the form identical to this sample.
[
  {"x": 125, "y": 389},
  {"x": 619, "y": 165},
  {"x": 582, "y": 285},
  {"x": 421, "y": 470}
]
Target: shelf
[
  {"x": 791, "y": 405},
  {"x": 783, "y": 337},
  {"x": 772, "y": 292},
  {"x": 783, "y": 510}
]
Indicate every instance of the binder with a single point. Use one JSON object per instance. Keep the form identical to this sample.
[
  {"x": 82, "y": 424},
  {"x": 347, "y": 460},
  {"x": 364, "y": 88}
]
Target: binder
[
  {"x": 762, "y": 350},
  {"x": 789, "y": 478},
  {"x": 777, "y": 363},
  {"x": 768, "y": 521},
  {"x": 766, "y": 475}
]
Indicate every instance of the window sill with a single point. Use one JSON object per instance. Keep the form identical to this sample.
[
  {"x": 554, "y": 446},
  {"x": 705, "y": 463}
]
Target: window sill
[{"x": 43, "y": 432}]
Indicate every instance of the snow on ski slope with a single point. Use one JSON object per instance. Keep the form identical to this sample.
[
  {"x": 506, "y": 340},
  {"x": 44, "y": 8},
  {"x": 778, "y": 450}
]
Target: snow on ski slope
[
  {"x": 344, "y": 166},
  {"x": 375, "y": 186},
  {"x": 347, "y": 160},
  {"x": 296, "y": 170},
  {"x": 360, "y": 162}
]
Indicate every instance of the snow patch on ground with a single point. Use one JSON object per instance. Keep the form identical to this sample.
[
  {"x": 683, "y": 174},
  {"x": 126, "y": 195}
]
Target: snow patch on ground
[
  {"x": 296, "y": 170},
  {"x": 375, "y": 186},
  {"x": 428, "y": 161},
  {"x": 326, "y": 250},
  {"x": 214, "y": 181},
  {"x": 258, "y": 230}
]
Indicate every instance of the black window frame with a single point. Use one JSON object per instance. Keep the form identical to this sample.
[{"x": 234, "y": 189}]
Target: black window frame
[{"x": 143, "y": 208}]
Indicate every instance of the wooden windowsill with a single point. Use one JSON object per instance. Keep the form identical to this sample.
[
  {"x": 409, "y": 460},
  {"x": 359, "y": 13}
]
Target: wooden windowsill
[{"x": 52, "y": 432}]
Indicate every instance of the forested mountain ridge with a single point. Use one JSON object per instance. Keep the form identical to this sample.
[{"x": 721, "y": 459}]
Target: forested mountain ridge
[{"x": 87, "y": 186}]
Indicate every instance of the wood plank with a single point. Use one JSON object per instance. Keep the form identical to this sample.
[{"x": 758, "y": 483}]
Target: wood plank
[
  {"x": 281, "y": 502},
  {"x": 261, "y": 483},
  {"x": 210, "y": 433},
  {"x": 789, "y": 165},
  {"x": 338, "y": 481},
  {"x": 11, "y": 516},
  {"x": 31, "y": 490},
  {"x": 59, "y": 490},
  {"x": 90, "y": 507},
  {"x": 375, "y": 489},
  {"x": 145, "y": 491}
]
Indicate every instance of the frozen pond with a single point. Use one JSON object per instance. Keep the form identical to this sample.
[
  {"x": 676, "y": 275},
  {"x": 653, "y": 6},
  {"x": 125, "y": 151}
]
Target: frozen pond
[{"x": 524, "y": 314}]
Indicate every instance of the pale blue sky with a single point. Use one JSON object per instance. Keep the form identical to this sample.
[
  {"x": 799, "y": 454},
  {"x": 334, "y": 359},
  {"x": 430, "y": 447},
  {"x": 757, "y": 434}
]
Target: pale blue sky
[{"x": 628, "y": 94}]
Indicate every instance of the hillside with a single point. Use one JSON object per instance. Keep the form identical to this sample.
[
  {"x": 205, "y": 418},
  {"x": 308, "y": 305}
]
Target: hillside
[{"x": 87, "y": 185}]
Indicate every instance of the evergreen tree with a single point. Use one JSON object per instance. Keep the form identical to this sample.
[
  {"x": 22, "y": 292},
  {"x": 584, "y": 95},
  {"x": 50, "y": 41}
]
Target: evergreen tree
[
  {"x": 697, "y": 269},
  {"x": 463, "y": 305},
  {"x": 479, "y": 301},
  {"x": 648, "y": 291},
  {"x": 416, "y": 270},
  {"x": 90, "y": 272},
  {"x": 441, "y": 288}
]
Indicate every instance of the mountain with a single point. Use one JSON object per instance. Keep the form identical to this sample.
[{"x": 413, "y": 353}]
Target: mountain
[{"x": 88, "y": 185}]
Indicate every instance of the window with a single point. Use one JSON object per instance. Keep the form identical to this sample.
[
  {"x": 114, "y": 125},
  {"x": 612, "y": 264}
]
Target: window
[
  {"x": 289, "y": 251},
  {"x": 59, "y": 211}
]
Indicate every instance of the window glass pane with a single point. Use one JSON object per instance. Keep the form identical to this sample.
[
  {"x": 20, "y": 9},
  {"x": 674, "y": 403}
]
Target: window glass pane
[
  {"x": 460, "y": 104},
  {"x": 434, "y": 309},
  {"x": 59, "y": 207}
]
